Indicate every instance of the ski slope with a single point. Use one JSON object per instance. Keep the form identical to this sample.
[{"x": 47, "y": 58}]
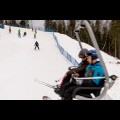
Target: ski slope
[{"x": 21, "y": 65}]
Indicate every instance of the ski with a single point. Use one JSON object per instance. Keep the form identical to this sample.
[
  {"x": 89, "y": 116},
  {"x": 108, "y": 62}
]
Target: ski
[
  {"x": 44, "y": 83},
  {"x": 46, "y": 98}
]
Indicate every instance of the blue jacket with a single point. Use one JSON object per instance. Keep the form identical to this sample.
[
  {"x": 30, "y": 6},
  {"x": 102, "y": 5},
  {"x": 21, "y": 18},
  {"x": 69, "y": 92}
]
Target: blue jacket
[{"x": 97, "y": 71}]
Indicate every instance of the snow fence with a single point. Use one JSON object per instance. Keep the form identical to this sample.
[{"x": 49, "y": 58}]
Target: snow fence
[{"x": 65, "y": 53}]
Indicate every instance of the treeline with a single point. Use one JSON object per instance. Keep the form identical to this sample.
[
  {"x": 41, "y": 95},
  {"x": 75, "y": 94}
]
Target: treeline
[
  {"x": 107, "y": 33},
  {"x": 22, "y": 23}
]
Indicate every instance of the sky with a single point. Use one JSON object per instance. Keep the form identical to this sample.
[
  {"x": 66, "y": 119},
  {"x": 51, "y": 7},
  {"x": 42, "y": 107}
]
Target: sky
[{"x": 21, "y": 65}]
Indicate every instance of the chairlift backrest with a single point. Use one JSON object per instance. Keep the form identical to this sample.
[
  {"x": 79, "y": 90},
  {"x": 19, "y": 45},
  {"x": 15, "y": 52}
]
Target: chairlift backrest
[{"x": 86, "y": 24}]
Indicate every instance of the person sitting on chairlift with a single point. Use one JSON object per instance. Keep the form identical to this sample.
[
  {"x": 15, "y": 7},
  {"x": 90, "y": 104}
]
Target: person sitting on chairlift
[
  {"x": 93, "y": 69},
  {"x": 80, "y": 69}
]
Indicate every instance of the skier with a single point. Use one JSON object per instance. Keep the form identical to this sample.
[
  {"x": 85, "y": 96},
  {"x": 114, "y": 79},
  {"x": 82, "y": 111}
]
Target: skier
[
  {"x": 34, "y": 35},
  {"x": 24, "y": 34},
  {"x": 35, "y": 31},
  {"x": 19, "y": 34},
  {"x": 19, "y": 31},
  {"x": 93, "y": 69},
  {"x": 36, "y": 45},
  {"x": 9, "y": 29},
  {"x": 79, "y": 70}
]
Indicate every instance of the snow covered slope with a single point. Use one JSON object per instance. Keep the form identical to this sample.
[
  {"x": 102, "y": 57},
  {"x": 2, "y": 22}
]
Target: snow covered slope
[{"x": 21, "y": 65}]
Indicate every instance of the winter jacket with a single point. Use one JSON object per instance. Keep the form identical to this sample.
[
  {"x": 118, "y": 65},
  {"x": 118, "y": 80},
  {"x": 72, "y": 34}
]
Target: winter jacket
[
  {"x": 97, "y": 71},
  {"x": 80, "y": 69},
  {"x": 36, "y": 44}
]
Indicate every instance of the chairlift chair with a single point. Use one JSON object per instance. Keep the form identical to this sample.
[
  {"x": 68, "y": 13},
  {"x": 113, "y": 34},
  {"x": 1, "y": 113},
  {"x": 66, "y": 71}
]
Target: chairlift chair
[{"x": 106, "y": 84}]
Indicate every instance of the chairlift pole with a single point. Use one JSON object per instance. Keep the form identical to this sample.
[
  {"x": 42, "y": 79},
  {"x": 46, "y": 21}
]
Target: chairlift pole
[
  {"x": 79, "y": 40},
  {"x": 77, "y": 30},
  {"x": 86, "y": 24},
  {"x": 89, "y": 29}
]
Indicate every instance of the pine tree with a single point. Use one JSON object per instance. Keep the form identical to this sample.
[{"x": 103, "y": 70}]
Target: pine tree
[
  {"x": 12, "y": 22},
  {"x": 114, "y": 31},
  {"x": 61, "y": 26},
  {"x": 71, "y": 28},
  {"x": 98, "y": 33},
  {"x": 48, "y": 24},
  {"x": 6, "y": 22},
  {"x": 104, "y": 38},
  {"x": 54, "y": 26},
  {"x": 64, "y": 28},
  {"x": 84, "y": 36},
  {"x": 24, "y": 23}
]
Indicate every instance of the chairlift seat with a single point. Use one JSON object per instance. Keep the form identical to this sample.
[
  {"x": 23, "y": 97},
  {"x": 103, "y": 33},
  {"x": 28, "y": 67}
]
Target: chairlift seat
[{"x": 95, "y": 90}]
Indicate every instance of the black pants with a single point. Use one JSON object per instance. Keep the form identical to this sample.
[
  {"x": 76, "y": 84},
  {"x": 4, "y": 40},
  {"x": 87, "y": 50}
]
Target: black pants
[
  {"x": 36, "y": 47},
  {"x": 67, "y": 89},
  {"x": 69, "y": 76},
  {"x": 66, "y": 80}
]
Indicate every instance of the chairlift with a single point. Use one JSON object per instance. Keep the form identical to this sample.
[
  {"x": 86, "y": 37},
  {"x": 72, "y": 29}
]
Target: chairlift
[{"x": 107, "y": 84}]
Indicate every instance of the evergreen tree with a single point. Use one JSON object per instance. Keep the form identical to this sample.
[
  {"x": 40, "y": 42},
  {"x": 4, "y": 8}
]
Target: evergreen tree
[
  {"x": 64, "y": 28},
  {"x": 71, "y": 28},
  {"x": 114, "y": 31},
  {"x": 109, "y": 38},
  {"x": 104, "y": 38},
  {"x": 84, "y": 36},
  {"x": 6, "y": 22},
  {"x": 12, "y": 22},
  {"x": 48, "y": 24},
  {"x": 61, "y": 26},
  {"x": 24, "y": 23},
  {"x": 98, "y": 33},
  {"x": 54, "y": 26}
]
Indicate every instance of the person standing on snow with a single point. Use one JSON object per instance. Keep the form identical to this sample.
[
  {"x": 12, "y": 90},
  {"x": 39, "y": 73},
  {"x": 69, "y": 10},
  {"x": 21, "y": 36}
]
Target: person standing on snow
[
  {"x": 35, "y": 31},
  {"x": 34, "y": 35},
  {"x": 9, "y": 29},
  {"x": 24, "y": 34},
  {"x": 36, "y": 45},
  {"x": 19, "y": 34}
]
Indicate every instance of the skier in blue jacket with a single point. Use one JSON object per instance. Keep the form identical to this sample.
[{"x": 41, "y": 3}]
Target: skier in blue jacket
[
  {"x": 93, "y": 69},
  {"x": 96, "y": 67}
]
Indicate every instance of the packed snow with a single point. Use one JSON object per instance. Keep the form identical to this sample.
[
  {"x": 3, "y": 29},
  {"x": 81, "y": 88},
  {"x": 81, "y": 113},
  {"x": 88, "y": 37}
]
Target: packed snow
[{"x": 21, "y": 65}]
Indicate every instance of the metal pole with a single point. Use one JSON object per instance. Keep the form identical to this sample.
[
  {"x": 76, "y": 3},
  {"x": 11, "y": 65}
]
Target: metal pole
[
  {"x": 89, "y": 29},
  {"x": 79, "y": 41},
  {"x": 77, "y": 29}
]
